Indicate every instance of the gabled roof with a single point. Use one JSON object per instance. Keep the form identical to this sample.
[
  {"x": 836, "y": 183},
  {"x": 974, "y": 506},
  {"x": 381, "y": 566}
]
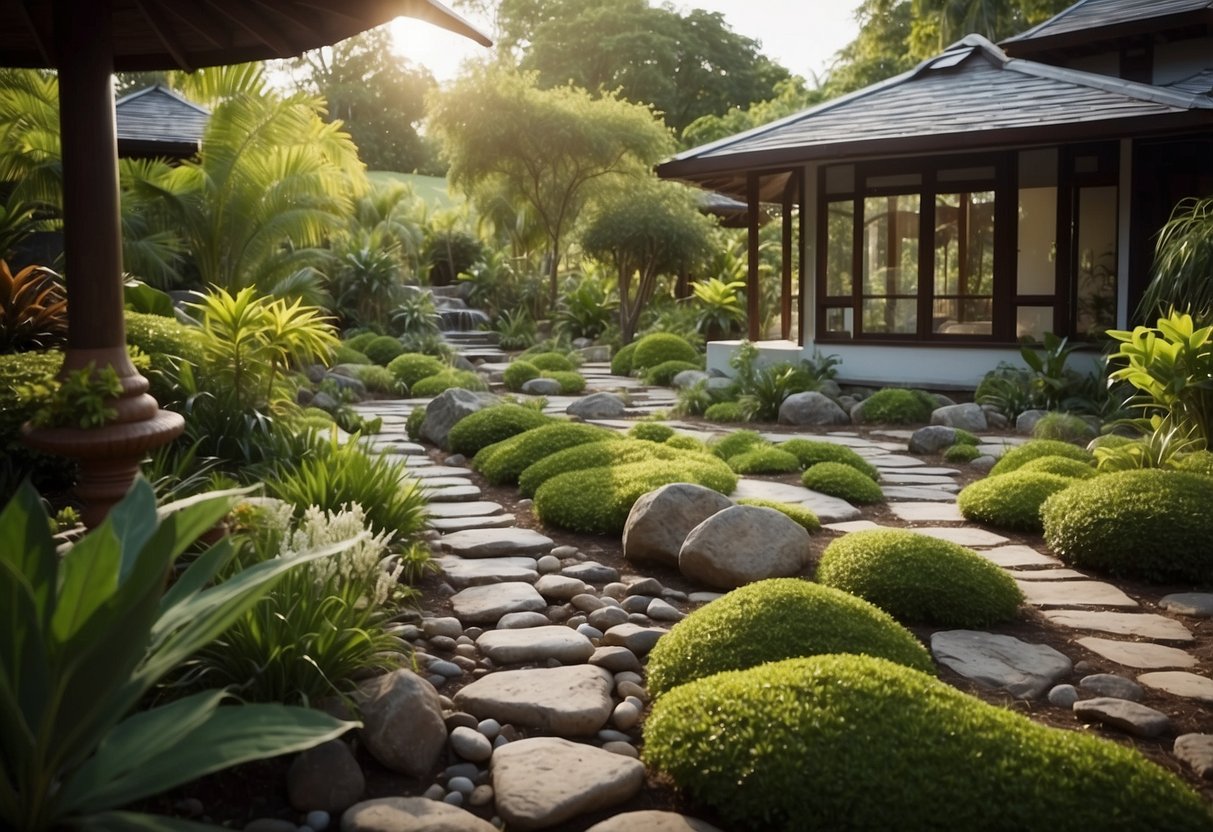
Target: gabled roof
[
  {"x": 158, "y": 122},
  {"x": 1090, "y": 21},
  {"x": 971, "y": 96}
]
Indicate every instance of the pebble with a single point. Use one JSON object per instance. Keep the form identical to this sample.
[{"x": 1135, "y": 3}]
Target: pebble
[
  {"x": 615, "y": 659},
  {"x": 624, "y": 748},
  {"x": 436, "y": 680},
  {"x": 631, "y": 690},
  {"x": 471, "y": 634},
  {"x": 625, "y": 716},
  {"x": 453, "y": 798},
  {"x": 465, "y": 639},
  {"x": 444, "y": 644},
  {"x": 607, "y": 617},
  {"x": 645, "y": 586},
  {"x": 1130, "y": 717},
  {"x": 548, "y": 564},
  {"x": 638, "y": 618},
  {"x": 463, "y": 785},
  {"x": 499, "y": 741},
  {"x": 611, "y": 735},
  {"x": 589, "y": 631},
  {"x": 660, "y": 610},
  {"x": 703, "y": 597},
  {"x": 587, "y": 603},
  {"x": 1063, "y": 696},
  {"x": 435, "y": 792},
  {"x": 1196, "y": 750},
  {"x": 1109, "y": 684},
  {"x": 445, "y": 670},
  {"x": 467, "y": 651},
  {"x": 468, "y": 770},
  {"x": 675, "y": 595},
  {"x": 636, "y": 603},
  {"x": 615, "y": 589},
  {"x": 629, "y": 676},
  {"x": 471, "y": 745},
  {"x": 318, "y": 820},
  {"x": 565, "y": 552},
  {"x": 489, "y": 727},
  {"x": 577, "y": 621},
  {"x": 481, "y": 796},
  {"x": 459, "y": 719},
  {"x": 448, "y": 626},
  {"x": 557, "y": 614}
]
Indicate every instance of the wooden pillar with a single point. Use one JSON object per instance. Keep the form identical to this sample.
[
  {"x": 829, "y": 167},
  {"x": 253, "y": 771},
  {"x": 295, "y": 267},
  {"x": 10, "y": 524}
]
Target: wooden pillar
[
  {"x": 785, "y": 288},
  {"x": 753, "y": 307}
]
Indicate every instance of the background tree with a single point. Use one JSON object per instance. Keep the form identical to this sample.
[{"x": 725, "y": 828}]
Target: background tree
[
  {"x": 645, "y": 228},
  {"x": 549, "y": 148},
  {"x": 791, "y": 96},
  {"x": 939, "y": 23}
]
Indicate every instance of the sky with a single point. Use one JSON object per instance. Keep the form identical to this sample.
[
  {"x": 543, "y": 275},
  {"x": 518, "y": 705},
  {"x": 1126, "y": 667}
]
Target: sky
[{"x": 802, "y": 35}]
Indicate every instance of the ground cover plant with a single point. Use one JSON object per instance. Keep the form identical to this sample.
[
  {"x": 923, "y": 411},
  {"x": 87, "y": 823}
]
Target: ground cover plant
[
  {"x": 411, "y": 367},
  {"x": 519, "y": 373},
  {"x": 613, "y": 451},
  {"x": 840, "y": 480},
  {"x": 898, "y": 406},
  {"x": 803, "y": 516},
  {"x": 961, "y": 453},
  {"x": 492, "y": 424},
  {"x": 550, "y": 361},
  {"x": 663, "y": 374},
  {"x": 1035, "y": 449},
  {"x": 1012, "y": 501},
  {"x": 660, "y": 347},
  {"x": 1061, "y": 465},
  {"x": 503, "y": 462},
  {"x": 651, "y": 431},
  {"x": 919, "y": 579},
  {"x": 446, "y": 380},
  {"x": 775, "y": 619},
  {"x": 726, "y": 412},
  {"x": 1063, "y": 427},
  {"x": 571, "y": 382},
  {"x": 621, "y": 361},
  {"x": 810, "y": 452},
  {"x": 737, "y": 442},
  {"x": 766, "y": 460},
  {"x": 1153, "y": 524},
  {"x": 855, "y": 742},
  {"x": 383, "y": 349}
]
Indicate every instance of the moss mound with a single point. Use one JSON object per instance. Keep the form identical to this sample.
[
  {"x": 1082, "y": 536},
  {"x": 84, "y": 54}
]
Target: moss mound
[
  {"x": 383, "y": 349},
  {"x": 661, "y": 347},
  {"x": 685, "y": 442},
  {"x": 491, "y": 425},
  {"x": 1010, "y": 501},
  {"x": 377, "y": 379},
  {"x": 1198, "y": 462},
  {"x": 519, "y": 373},
  {"x": 961, "y": 453},
  {"x": 446, "y": 380},
  {"x": 963, "y": 437},
  {"x": 598, "y": 500},
  {"x": 726, "y": 412},
  {"x": 854, "y": 742},
  {"x": 663, "y": 374},
  {"x": 651, "y": 431},
  {"x": 1151, "y": 524},
  {"x": 775, "y": 619},
  {"x": 551, "y": 362},
  {"x": 898, "y": 406},
  {"x": 621, "y": 361},
  {"x": 619, "y": 452},
  {"x": 412, "y": 425},
  {"x": 412, "y": 367},
  {"x": 503, "y": 462},
  {"x": 843, "y": 481},
  {"x": 764, "y": 461},
  {"x": 571, "y": 382},
  {"x": 344, "y": 354},
  {"x": 359, "y": 341},
  {"x": 1063, "y": 466},
  {"x": 1063, "y": 427},
  {"x": 1013, "y": 459},
  {"x": 803, "y": 516},
  {"x": 811, "y": 452},
  {"x": 920, "y": 580},
  {"x": 737, "y": 442}
]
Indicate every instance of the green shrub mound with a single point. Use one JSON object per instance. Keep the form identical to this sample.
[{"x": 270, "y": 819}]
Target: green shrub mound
[
  {"x": 1063, "y": 466},
  {"x": 898, "y": 406},
  {"x": 1011, "y": 501},
  {"x": 519, "y": 373},
  {"x": 1150, "y": 523},
  {"x": 686, "y": 442},
  {"x": 571, "y": 382},
  {"x": 663, "y": 374},
  {"x": 1198, "y": 462},
  {"x": 621, "y": 361},
  {"x": 661, "y": 347},
  {"x": 775, "y": 619},
  {"x": 802, "y": 515},
  {"x": 1016, "y": 457},
  {"x": 550, "y": 361},
  {"x": 412, "y": 367},
  {"x": 1110, "y": 440},
  {"x": 961, "y": 453},
  {"x": 737, "y": 442},
  {"x": 963, "y": 437},
  {"x": 843, "y": 481},
  {"x": 383, "y": 349},
  {"x": 919, "y": 579},
  {"x": 726, "y": 412},
  {"x": 810, "y": 452},
  {"x": 447, "y": 380},
  {"x": 359, "y": 341},
  {"x": 345, "y": 354},
  {"x": 621, "y": 452},
  {"x": 166, "y": 342},
  {"x": 491, "y": 425},
  {"x": 412, "y": 425},
  {"x": 1063, "y": 427},
  {"x": 764, "y": 461},
  {"x": 651, "y": 431},
  {"x": 503, "y": 462},
  {"x": 598, "y": 500},
  {"x": 377, "y": 379},
  {"x": 855, "y": 742}
]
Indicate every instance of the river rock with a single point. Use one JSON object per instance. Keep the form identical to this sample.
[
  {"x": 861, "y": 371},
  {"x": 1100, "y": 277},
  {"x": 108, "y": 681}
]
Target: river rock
[
  {"x": 535, "y": 644},
  {"x": 445, "y": 411},
  {"x": 1024, "y": 670},
  {"x": 597, "y": 406},
  {"x": 932, "y": 439},
  {"x": 402, "y": 724},
  {"x": 325, "y": 777},
  {"x": 812, "y": 409},
  {"x": 1130, "y": 717},
  {"x": 742, "y": 544},
  {"x": 968, "y": 417},
  {"x": 568, "y": 701},
  {"x": 1196, "y": 750},
  {"x": 410, "y": 814},
  {"x": 660, "y": 520}
]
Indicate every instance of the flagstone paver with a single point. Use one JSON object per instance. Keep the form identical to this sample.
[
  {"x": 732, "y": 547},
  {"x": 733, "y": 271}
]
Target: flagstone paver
[
  {"x": 1142, "y": 625},
  {"x": 916, "y": 492},
  {"x": 431, "y": 470},
  {"x": 1047, "y": 575},
  {"x": 536, "y": 644},
  {"x": 486, "y": 604},
  {"x": 1141, "y": 654},
  {"x": 1199, "y": 604},
  {"x": 853, "y": 526},
  {"x": 453, "y": 494},
  {"x": 927, "y": 512},
  {"x": 443, "y": 482},
  {"x": 489, "y": 543},
  {"x": 1180, "y": 683},
  {"x": 1017, "y": 555},
  {"x": 896, "y": 477},
  {"x": 896, "y": 461},
  {"x": 1074, "y": 594},
  {"x": 461, "y": 524},
  {"x": 465, "y": 572},
  {"x": 1022, "y": 669},
  {"x": 964, "y": 535},
  {"x": 828, "y": 509},
  {"x": 471, "y": 508}
]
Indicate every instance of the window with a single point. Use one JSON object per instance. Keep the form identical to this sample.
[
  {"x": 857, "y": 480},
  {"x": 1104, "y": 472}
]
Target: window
[{"x": 890, "y": 264}]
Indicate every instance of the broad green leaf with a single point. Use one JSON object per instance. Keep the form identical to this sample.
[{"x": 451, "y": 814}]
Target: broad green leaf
[
  {"x": 134, "y": 522},
  {"x": 137, "y": 822},
  {"x": 199, "y": 573},
  {"x": 230, "y": 736},
  {"x": 88, "y": 578},
  {"x": 26, "y": 544}
]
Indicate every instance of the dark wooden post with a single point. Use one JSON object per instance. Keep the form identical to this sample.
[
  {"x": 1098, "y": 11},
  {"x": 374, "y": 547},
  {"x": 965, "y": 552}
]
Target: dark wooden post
[
  {"x": 753, "y": 306},
  {"x": 785, "y": 288}
]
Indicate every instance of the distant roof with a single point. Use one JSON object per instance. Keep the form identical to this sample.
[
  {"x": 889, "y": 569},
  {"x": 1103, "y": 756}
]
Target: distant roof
[
  {"x": 158, "y": 122},
  {"x": 1090, "y": 21},
  {"x": 971, "y": 96}
]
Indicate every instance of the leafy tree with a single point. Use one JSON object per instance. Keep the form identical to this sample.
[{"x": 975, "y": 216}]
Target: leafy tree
[
  {"x": 878, "y": 51},
  {"x": 938, "y": 23},
  {"x": 791, "y": 96},
  {"x": 549, "y": 148},
  {"x": 378, "y": 96},
  {"x": 645, "y": 228}
]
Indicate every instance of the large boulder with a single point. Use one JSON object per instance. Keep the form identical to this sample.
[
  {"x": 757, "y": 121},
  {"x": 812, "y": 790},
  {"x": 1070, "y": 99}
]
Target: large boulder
[
  {"x": 445, "y": 411},
  {"x": 402, "y": 725},
  {"x": 743, "y": 544},
  {"x": 932, "y": 439},
  {"x": 968, "y": 417},
  {"x": 660, "y": 521},
  {"x": 812, "y": 409},
  {"x": 689, "y": 378},
  {"x": 541, "y": 387},
  {"x": 597, "y": 406}
]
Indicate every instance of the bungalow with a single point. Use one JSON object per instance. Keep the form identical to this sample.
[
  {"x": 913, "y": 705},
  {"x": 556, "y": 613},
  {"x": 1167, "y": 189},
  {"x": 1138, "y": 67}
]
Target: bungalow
[{"x": 990, "y": 195}]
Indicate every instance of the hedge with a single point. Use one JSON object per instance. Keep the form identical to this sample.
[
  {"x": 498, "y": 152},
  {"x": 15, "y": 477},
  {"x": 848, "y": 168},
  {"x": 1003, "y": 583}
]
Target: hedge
[
  {"x": 663, "y": 374},
  {"x": 551, "y": 362},
  {"x": 621, "y": 361}
]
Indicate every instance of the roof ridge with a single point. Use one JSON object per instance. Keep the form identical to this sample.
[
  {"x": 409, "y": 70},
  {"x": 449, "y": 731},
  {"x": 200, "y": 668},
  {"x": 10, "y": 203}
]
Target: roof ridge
[
  {"x": 1107, "y": 83},
  {"x": 1028, "y": 33},
  {"x": 169, "y": 91}
]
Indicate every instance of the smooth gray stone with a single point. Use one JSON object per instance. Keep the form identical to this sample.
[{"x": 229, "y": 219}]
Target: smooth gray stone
[
  {"x": 471, "y": 745},
  {"x": 453, "y": 494},
  {"x": 491, "y": 543},
  {"x": 1003, "y": 662},
  {"x": 968, "y": 417},
  {"x": 1196, "y": 751},
  {"x": 559, "y": 587},
  {"x": 743, "y": 544},
  {"x": 597, "y": 406},
  {"x": 447, "y": 525},
  {"x": 402, "y": 724},
  {"x": 812, "y": 409},
  {"x": 916, "y": 492},
  {"x": 1074, "y": 594},
  {"x": 434, "y": 483},
  {"x": 652, "y": 820},
  {"x": 445, "y": 411},
  {"x": 616, "y": 659},
  {"x": 1063, "y": 696},
  {"x": 591, "y": 572},
  {"x": 1109, "y": 684},
  {"x": 1199, "y": 604},
  {"x": 640, "y": 640},
  {"x": 486, "y": 604},
  {"x": 896, "y": 477},
  {"x": 426, "y": 472},
  {"x": 465, "y": 572},
  {"x": 660, "y": 520},
  {"x": 535, "y": 644},
  {"x": 410, "y": 814},
  {"x": 1180, "y": 683},
  {"x": 1142, "y": 625},
  {"x": 1139, "y": 654},
  {"x": 1131, "y": 717},
  {"x": 965, "y": 536},
  {"x": 1016, "y": 555},
  {"x": 1047, "y": 575},
  {"x": 932, "y": 439},
  {"x": 566, "y": 701},
  {"x": 927, "y": 512},
  {"x": 473, "y": 508},
  {"x": 895, "y": 461},
  {"x": 522, "y": 620},
  {"x": 828, "y": 509}
]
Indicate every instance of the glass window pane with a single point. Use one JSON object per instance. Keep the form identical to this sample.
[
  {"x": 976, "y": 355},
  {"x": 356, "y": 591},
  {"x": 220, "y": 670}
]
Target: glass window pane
[
  {"x": 840, "y": 322},
  {"x": 1036, "y": 259},
  {"x": 890, "y": 316},
  {"x": 964, "y": 243},
  {"x": 840, "y": 248},
  {"x": 968, "y": 316},
  {"x": 1095, "y": 281},
  {"x": 890, "y": 245},
  {"x": 1032, "y": 322}
]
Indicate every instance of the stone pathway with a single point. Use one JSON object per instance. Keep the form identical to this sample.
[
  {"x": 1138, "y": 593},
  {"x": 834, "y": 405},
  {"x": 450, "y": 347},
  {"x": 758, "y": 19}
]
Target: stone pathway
[{"x": 554, "y": 643}]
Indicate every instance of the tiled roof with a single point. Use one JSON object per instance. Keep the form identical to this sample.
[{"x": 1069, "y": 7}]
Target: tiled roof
[
  {"x": 1199, "y": 84},
  {"x": 157, "y": 121},
  {"x": 1088, "y": 15}
]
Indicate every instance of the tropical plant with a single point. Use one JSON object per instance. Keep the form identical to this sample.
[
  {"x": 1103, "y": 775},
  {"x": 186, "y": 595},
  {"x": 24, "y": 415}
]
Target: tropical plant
[
  {"x": 586, "y": 307},
  {"x": 415, "y": 315},
  {"x": 720, "y": 313},
  {"x": 81, "y": 398},
  {"x": 449, "y": 253},
  {"x": 88, "y": 635},
  {"x": 33, "y": 309},
  {"x": 515, "y": 330},
  {"x": 366, "y": 282},
  {"x": 1183, "y": 261}
]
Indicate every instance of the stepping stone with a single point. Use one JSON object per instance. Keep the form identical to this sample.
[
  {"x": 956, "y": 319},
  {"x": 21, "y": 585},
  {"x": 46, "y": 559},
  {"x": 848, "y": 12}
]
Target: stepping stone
[
  {"x": 1074, "y": 594},
  {"x": 639, "y": 640},
  {"x": 1130, "y": 717},
  {"x": 898, "y": 478},
  {"x": 1140, "y": 654},
  {"x": 396, "y": 446},
  {"x": 1180, "y": 683},
  {"x": 1024, "y": 670},
  {"x": 852, "y": 526},
  {"x": 491, "y": 543},
  {"x": 472, "y": 508},
  {"x": 652, "y": 820},
  {"x": 536, "y": 644},
  {"x": 592, "y": 572},
  {"x": 462, "y": 572},
  {"x": 995, "y": 451},
  {"x": 828, "y": 509},
  {"x": 913, "y": 492},
  {"x": 430, "y": 483},
  {"x": 409, "y": 813},
  {"x": 1199, "y": 604},
  {"x": 1047, "y": 575},
  {"x": 1016, "y": 555},
  {"x": 1196, "y": 751},
  {"x": 963, "y": 536},
  {"x": 1109, "y": 684},
  {"x": 486, "y": 604},
  {"x": 942, "y": 512},
  {"x": 416, "y": 463},
  {"x": 453, "y": 494},
  {"x": 441, "y": 471},
  {"x": 543, "y": 781},
  {"x": 462, "y": 524},
  {"x": 895, "y": 461},
  {"x": 1142, "y": 625},
  {"x": 568, "y": 701}
]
